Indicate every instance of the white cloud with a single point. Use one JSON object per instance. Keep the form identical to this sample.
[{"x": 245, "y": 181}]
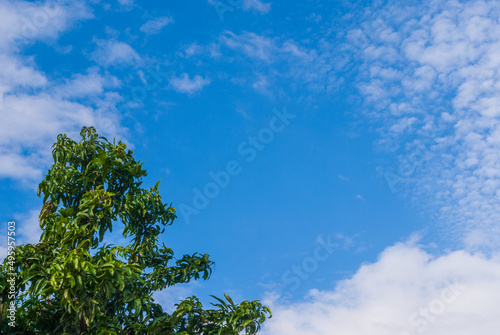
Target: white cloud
[
  {"x": 126, "y": 3},
  {"x": 191, "y": 50},
  {"x": 31, "y": 123},
  {"x": 18, "y": 72},
  {"x": 251, "y": 44},
  {"x": 34, "y": 108},
  {"x": 3, "y": 252},
  {"x": 246, "y": 5},
  {"x": 406, "y": 292},
  {"x": 156, "y": 25},
  {"x": 184, "y": 84},
  {"x": 15, "y": 165},
  {"x": 200, "y": 51},
  {"x": 27, "y": 229},
  {"x": 257, "y": 5},
  {"x": 25, "y": 21},
  {"x": 170, "y": 296},
  {"x": 111, "y": 52},
  {"x": 89, "y": 84},
  {"x": 261, "y": 84},
  {"x": 430, "y": 74}
]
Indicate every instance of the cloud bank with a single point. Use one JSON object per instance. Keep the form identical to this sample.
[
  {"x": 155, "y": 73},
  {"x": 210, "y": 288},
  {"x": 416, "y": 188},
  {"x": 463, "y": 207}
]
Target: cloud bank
[{"x": 406, "y": 292}]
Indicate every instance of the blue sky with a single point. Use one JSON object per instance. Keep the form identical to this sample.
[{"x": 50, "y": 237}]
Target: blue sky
[{"x": 338, "y": 161}]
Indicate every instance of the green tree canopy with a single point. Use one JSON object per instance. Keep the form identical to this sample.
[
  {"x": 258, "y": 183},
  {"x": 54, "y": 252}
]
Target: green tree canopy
[{"x": 71, "y": 283}]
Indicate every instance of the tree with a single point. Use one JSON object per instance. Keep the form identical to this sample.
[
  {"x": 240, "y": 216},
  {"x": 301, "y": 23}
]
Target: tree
[{"x": 72, "y": 283}]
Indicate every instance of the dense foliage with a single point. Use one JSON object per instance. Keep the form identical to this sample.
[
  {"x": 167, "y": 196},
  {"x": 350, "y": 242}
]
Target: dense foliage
[{"x": 71, "y": 283}]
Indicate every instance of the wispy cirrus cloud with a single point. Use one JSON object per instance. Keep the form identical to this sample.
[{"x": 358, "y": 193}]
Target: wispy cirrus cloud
[
  {"x": 317, "y": 69},
  {"x": 156, "y": 25},
  {"x": 251, "y": 44}
]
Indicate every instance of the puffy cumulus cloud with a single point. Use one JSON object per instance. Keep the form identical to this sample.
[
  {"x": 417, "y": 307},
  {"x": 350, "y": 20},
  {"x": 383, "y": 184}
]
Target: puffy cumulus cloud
[
  {"x": 184, "y": 84},
  {"x": 35, "y": 108},
  {"x": 115, "y": 53},
  {"x": 406, "y": 291},
  {"x": 430, "y": 74}
]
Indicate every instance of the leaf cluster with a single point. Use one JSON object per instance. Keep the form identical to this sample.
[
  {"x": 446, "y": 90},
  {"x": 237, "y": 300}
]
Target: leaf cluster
[{"x": 72, "y": 283}]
